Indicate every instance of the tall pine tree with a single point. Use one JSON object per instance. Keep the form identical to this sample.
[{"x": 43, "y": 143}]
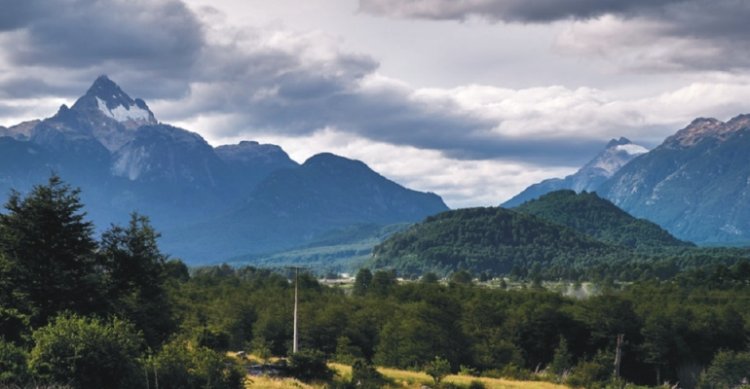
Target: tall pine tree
[{"x": 49, "y": 252}]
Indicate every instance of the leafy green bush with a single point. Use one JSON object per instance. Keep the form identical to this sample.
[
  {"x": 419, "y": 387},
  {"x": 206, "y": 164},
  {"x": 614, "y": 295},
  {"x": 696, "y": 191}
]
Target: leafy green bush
[
  {"x": 309, "y": 365},
  {"x": 592, "y": 374},
  {"x": 438, "y": 368},
  {"x": 346, "y": 352},
  {"x": 181, "y": 366},
  {"x": 728, "y": 370},
  {"x": 366, "y": 376},
  {"x": 87, "y": 353},
  {"x": 511, "y": 370}
]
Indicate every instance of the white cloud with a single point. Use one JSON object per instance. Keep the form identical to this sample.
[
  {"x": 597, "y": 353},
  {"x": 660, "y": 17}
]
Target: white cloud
[{"x": 461, "y": 183}]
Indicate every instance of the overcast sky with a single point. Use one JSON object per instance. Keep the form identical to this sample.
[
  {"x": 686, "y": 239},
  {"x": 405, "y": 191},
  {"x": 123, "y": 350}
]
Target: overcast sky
[{"x": 470, "y": 99}]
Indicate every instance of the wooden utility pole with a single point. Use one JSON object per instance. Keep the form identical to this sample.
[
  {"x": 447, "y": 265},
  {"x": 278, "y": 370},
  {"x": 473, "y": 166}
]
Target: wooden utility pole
[
  {"x": 296, "y": 287},
  {"x": 618, "y": 354}
]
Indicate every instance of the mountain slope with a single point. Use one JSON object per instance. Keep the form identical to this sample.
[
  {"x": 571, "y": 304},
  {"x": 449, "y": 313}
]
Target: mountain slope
[
  {"x": 591, "y": 215},
  {"x": 696, "y": 184},
  {"x": 615, "y": 155},
  {"x": 493, "y": 240},
  {"x": 293, "y": 207}
]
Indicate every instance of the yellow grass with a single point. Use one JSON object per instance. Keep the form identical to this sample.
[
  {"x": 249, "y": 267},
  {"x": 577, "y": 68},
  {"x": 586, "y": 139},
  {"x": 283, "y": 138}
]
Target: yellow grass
[
  {"x": 413, "y": 379},
  {"x": 261, "y": 382},
  {"x": 400, "y": 379}
]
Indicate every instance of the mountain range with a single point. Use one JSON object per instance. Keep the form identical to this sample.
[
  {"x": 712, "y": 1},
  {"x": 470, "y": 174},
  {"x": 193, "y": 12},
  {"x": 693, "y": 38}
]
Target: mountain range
[
  {"x": 696, "y": 184},
  {"x": 210, "y": 203}
]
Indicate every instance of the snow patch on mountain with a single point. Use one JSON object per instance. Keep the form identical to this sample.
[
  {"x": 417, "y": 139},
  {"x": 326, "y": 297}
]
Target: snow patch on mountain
[
  {"x": 124, "y": 114},
  {"x": 632, "y": 149}
]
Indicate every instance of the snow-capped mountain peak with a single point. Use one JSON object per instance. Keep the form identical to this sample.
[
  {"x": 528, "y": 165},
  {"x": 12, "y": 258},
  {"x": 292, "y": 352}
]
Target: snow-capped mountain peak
[
  {"x": 616, "y": 154},
  {"x": 106, "y": 98},
  {"x": 611, "y": 159}
]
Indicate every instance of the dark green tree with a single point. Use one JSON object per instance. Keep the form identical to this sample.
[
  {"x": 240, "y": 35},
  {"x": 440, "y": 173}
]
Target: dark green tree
[
  {"x": 461, "y": 277},
  {"x": 50, "y": 250},
  {"x": 429, "y": 278},
  {"x": 135, "y": 277},
  {"x": 562, "y": 361},
  {"x": 382, "y": 282},
  {"x": 362, "y": 281}
]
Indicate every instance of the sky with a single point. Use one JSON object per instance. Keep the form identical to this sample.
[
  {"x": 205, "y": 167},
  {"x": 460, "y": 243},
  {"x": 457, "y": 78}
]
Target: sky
[{"x": 471, "y": 99}]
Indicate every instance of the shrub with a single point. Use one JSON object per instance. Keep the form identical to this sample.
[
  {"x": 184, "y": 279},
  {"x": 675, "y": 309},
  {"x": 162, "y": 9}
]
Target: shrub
[
  {"x": 511, "y": 371},
  {"x": 728, "y": 370},
  {"x": 86, "y": 353},
  {"x": 309, "y": 365},
  {"x": 366, "y": 376},
  {"x": 179, "y": 365},
  {"x": 438, "y": 368},
  {"x": 593, "y": 373}
]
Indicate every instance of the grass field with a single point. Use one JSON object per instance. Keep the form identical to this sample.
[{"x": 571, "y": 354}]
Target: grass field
[{"x": 400, "y": 379}]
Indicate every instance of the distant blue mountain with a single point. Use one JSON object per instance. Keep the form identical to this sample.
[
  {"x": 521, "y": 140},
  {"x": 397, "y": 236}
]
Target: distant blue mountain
[
  {"x": 210, "y": 203},
  {"x": 696, "y": 184},
  {"x": 615, "y": 155}
]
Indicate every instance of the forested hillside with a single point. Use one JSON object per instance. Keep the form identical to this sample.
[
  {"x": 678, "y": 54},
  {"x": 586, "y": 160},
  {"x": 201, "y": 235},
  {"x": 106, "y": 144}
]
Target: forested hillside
[
  {"x": 597, "y": 217},
  {"x": 503, "y": 242},
  {"x": 493, "y": 240}
]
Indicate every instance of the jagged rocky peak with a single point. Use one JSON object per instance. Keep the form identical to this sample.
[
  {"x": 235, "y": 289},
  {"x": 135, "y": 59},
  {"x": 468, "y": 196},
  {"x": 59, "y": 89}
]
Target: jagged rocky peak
[
  {"x": 738, "y": 123},
  {"x": 616, "y": 154},
  {"x": 697, "y": 130},
  {"x": 252, "y": 152},
  {"x": 624, "y": 145},
  {"x": 106, "y": 98}
]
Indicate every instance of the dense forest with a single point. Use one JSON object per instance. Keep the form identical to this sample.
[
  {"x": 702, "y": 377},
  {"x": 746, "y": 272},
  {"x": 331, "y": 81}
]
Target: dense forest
[
  {"x": 115, "y": 312},
  {"x": 599, "y": 218},
  {"x": 562, "y": 235}
]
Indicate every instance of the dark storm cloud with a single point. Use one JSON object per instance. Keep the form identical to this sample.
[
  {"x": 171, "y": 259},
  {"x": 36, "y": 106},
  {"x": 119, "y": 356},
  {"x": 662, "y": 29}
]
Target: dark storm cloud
[
  {"x": 159, "y": 38},
  {"x": 160, "y": 49},
  {"x": 717, "y": 27},
  {"x": 19, "y": 13},
  {"x": 24, "y": 86},
  {"x": 534, "y": 11}
]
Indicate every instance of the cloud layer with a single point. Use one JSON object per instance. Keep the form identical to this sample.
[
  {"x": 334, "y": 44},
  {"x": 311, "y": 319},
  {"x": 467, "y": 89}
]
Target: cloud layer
[
  {"x": 652, "y": 35},
  {"x": 473, "y": 144}
]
